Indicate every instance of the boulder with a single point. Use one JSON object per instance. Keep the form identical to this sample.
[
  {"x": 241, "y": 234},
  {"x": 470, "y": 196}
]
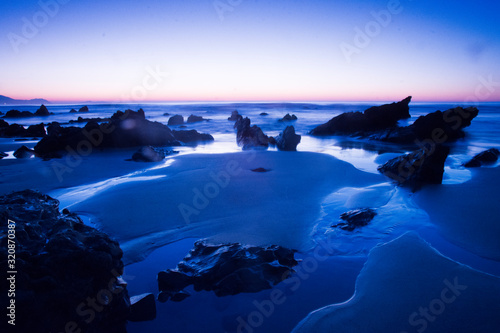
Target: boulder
[
  {"x": 192, "y": 136},
  {"x": 84, "y": 109},
  {"x": 14, "y": 130},
  {"x": 142, "y": 307},
  {"x": 421, "y": 167},
  {"x": 24, "y": 152},
  {"x": 42, "y": 111},
  {"x": 18, "y": 114},
  {"x": 194, "y": 119},
  {"x": 486, "y": 157},
  {"x": 287, "y": 117},
  {"x": 288, "y": 140},
  {"x": 227, "y": 269},
  {"x": 148, "y": 154},
  {"x": 356, "y": 218},
  {"x": 249, "y": 137},
  {"x": 235, "y": 116},
  {"x": 73, "y": 111},
  {"x": 36, "y": 130},
  {"x": 176, "y": 120},
  {"x": 60, "y": 264}
]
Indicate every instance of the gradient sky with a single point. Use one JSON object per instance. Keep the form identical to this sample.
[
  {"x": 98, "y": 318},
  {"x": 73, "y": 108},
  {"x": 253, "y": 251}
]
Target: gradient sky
[{"x": 253, "y": 50}]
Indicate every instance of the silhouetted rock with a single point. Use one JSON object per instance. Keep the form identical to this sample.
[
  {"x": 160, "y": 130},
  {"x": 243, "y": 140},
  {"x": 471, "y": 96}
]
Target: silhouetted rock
[
  {"x": 260, "y": 170},
  {"x": 73, "y": 111},
  {"x": 42, "y": 111},
  {"x": 2, "y": 155},
  {"x": 249, "y": 137},
  {"x": 166, "y": 114},
  {"x": 287, "y": 117},
  {"x": 176, "y": 120},
  {"x": 194, "y": 119},
  {"x": 486, "y": 157},
  {"x": 192, "y": 136},
  {"x": 148, "y": 154},
  {"x": 424, "y": 166},
  {"x": 264, "y": 114},
  {"x": 36, "y": 130},
  {"x": 142, "y": 307},
  {"x": 3, "y": 124},
  {"x": 24, "y": 152},
  {"x": 356, "y": 218},
  {"x": 18, "y": 114},
  {"x": 228, "y": 269},
  {"x": 84, "y": 109},
  {"x": 86, "y": 120},
  {"x": 235, "y": 116},
  {"x": 288, "y": 140},
  {"x": 61, "y": 264}
]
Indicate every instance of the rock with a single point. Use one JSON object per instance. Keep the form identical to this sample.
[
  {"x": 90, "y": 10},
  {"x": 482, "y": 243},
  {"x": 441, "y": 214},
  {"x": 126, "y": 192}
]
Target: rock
[
  {"x": 61, "y": 263},
  {"x": 148, "y": 154},
  {"x": 235, "y": 116},
  {"x": 176, "y": 120},
  {"x": 372, "y": 119},
  {"x": 36, "y": 130},
  {"x": 192, "y": 136},
  {"x": 288, "y": 140},
  {"x": 142, "y": 307},
  {"x": 356, "y": 218},
  {"x": 3, "y": 124},
  {"x": 264, "y": 114},
  {"x": 24, "y": 152},
  {"x": 418, "y": 168},
  {"x": 228, "y": 269},
  {"x": 260, "y": 170},
  {"x": 13, "y": 130},
  {"x": 84, "y": 109},
  {"x": 249, "y": 137},
  {"x": 85, "y": 120},
  {"x": 194, "y": 119},
  {"x": 42, "y": 111},
  {"x": 287, "y": 117},
  {"x": 166, "y": 114},
  {"x": 73, "y": 111},
  {"x": 179, "y": 296},
  {"x": 18, "y": 114},
  {"x": 486, "y": 157},
  {"x": 2, "y": 155}
]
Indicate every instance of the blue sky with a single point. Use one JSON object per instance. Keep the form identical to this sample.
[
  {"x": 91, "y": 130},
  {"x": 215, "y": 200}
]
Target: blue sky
[{"x": 250, "y": 50}]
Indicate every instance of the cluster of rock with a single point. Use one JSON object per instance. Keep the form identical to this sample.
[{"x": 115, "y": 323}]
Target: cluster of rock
[
  {"x": 65, "y": 269},
  {"x": 82, "y": 109},
  {"x": 86, "y": 120},
  {"x": 18, "y": 131},
  {"x": 179, "y": 120},
  {"x": 41, "y": 112},
  {"x": 227, "y": 269},
  {"x": 355, "y": 219},
  {"x": 288, "y": 117}
]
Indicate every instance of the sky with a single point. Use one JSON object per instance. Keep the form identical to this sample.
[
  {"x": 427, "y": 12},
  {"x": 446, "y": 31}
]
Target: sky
[{"x": 250, "y": 50}]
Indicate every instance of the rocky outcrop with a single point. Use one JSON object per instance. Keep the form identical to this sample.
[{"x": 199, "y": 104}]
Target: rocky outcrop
[
  {"x": 287, "y": 118},
  {"x": 288, "y": 140},
  {"x": 42, "y": 111},
  {"x": 372, "y": 119},
  {"x": 67, "y": 272},
  {"x": 228, "y": 269},
  {"x": 84, "y": 109},
  {"x": 175, "y": 120},
  {"x": 36, "y": 131},
  {"x": 18, "y": 114},
  {"x": 15, "y": 130},
  {"x": 73, "y": 111},
  {"x": 86, "y": 120},
  {"x": 355, "y": 219},
  {"x": 421, "y": 167},
  {"x": 24, "y": 152},
  {"x": 148, "y": 154},
  {"x": 195, "y": 119},
  {"x": 486, "y": 157},
  {"x": 235, "y": 116},
  {"x": 192, "y": 136},
  {"x": 249, "y": 137}
]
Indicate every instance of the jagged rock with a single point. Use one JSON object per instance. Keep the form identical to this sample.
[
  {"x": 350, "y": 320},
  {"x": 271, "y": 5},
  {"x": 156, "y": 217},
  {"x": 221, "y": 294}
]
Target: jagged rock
[
  {"x": 36, "y": 130},
  {"x": 287, "y": 117},
  {"x": 84, "y": 109},
  {"x": 288, "y": 140},
  {"x": 148, "y": 154},
  {"x": 61, "y": 264},
  {"x": 85, "y": 120},
  {"x": 228, "y": 269},
  {"x": 73, "y": 111},
  {"x": 249, "y": 137},
  {"x": 486, "y": 157},
  {"x": 424, "y": 166},
  {"x": 24, "y": 152},
  {"x": 372, "y": 119},
  {"x": 356, "y": 218},
  {"x": 176, "y": 120},
  {"x": 42, "y": 111},
  {"x": 235, "y": 116},
  {"x": 194, "y": 119},
  {"x": 142, "y": 307},
  {"x": 192, "y": 136}
]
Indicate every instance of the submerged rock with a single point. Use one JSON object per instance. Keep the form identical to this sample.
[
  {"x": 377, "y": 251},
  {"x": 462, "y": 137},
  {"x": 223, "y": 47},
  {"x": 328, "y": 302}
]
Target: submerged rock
[
  {"x": 62, "y": 266},
  {"x": 191, "y": 136},
  {"x": 235, "y": 116},
  {"x": 288, "y": 140},
  {"x": 148, "y": 154},
  {"x": 249, "y": 137},
  {"x": 228, "y": 269},
  {"x": 264, "y": 114},
  {"x": 142, "y": 307},
  {"x": 176, "y": 120},
  {"x": 424, "y": 166},
  {"x": 356, "y": 218},
  {"x": 260, "y": 170},
  {"x": 486, "y": 157},
  {"x": 287, "y": 117}
]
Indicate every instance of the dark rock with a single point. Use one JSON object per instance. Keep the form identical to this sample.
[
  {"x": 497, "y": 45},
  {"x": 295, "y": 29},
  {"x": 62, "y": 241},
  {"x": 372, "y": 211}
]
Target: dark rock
[
  {"x": 260, "y": 170},
  {"x": 3, "y": 124},
  {"x": 249, "y": 137},
  {"x": 235, "y": 116},
  {"x": 61, "y": 263},
  {"x": 287, "y": 117},
  {"x": 73, "y": 111},
  {"x": 42, "y": 111},
  {"x": 85, "y": 120},
  {"x": 36, "y": 130},
  {"x": 14, "y": 130},
  {"x": 272, "y": 141},
  {"x": 18, "y": 114},
  {"x": 166, "y": 114},
  {"x": 84, "y": 109},
  {"x": 194, "y": 119},
  {"x": 424, "y": 166},
  {"x": 356, "y": 218},
  {"x": 176, "y": 120},
  {"x": 24, "y": 152},
  {"x": 2, "y": 155},
  {"x": 179, "y": 296},
  {"x": 288, "y": 140},
  {"x": 148, "y": 154},
  {"x": 142, "y": 307},
  {"x": 486, "y": 157},
  {"x": 192, "y": 136},
  {"x": 264, "y": 114},
  {"x": 228, "y": 269}
]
